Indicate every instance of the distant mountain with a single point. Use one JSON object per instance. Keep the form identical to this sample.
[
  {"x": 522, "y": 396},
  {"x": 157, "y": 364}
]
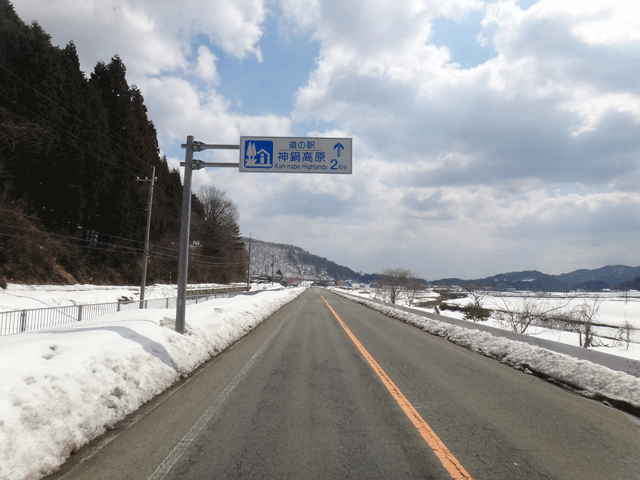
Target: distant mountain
[
  {"x": 449, "y": 282},
  {"x": 630, "y": 285},
  {"x": 294, "y": 262},
  {"x": 610, "y": 275},
  {"x": 593, "y": 286},
  {"x": 616, "y": 277},
  {"x": 532, "y": 280}
]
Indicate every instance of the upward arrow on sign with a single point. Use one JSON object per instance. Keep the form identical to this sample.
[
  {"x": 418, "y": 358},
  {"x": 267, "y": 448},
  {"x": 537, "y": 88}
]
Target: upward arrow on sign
[{"x": 338, "y": 146}]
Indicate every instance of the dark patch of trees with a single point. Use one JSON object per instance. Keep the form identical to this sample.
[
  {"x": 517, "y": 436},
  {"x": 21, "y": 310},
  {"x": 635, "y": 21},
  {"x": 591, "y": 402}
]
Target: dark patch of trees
[
  {"x": 71, "y": 149},
  {"x": 631, "y": 285},
  {"x": 218, "y": 236}
]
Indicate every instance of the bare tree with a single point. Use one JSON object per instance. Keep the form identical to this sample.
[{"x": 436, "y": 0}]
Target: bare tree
[
  {"x": 476, "y": 292},
  {"x": 394, "y": 284},
  {"x": 414, "y": 290},
  {"x": 586, "y": 314},
  {"x": 519, "y": 314},
  {"x": 624, "y": 332},
  {"x": 476, "y": 311},
  {"x": 218, "y": 235}
]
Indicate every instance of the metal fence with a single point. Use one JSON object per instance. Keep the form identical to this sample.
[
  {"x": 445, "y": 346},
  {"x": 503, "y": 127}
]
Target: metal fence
[{"x": 25, "y": 320}]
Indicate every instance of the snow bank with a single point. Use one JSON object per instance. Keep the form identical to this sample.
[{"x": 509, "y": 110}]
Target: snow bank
[
  {"x": 67, "y": 385},
  {"x": 589, "y": 379},
  {"x": 17, "y": 296}
]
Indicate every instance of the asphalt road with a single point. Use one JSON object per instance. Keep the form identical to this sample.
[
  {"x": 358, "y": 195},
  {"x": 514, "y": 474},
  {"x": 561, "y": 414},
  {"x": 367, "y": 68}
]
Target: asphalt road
[{"x": 298, "y": 399}]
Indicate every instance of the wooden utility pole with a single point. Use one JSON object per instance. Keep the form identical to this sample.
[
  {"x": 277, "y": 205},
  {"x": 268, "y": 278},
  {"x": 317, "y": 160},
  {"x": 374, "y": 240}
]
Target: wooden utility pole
[{"x": 146, "y": 241}]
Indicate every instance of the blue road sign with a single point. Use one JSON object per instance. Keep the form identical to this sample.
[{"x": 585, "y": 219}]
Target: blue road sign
[{"x": 295, "y": 155}]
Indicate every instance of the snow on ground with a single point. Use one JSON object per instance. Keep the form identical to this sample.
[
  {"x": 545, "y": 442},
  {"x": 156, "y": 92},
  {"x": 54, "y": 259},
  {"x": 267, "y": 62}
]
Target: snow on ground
[
  {"x": 615, "y": 310},
  {"x": 587, "y": 378},
  {"x": 63, "y": 386},
  {"x": 17, "y": 297}
]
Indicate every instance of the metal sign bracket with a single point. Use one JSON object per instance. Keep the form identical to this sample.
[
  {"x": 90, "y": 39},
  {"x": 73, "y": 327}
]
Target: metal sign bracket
[{"x": 191, "y": 164}]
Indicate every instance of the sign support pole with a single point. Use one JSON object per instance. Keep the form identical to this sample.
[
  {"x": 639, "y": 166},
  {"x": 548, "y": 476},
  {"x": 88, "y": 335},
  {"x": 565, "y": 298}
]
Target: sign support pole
[
  {"x": 184, "y": 237},
  {"x": 185, "y": 224},
  {"x": 259, "y": 154}
]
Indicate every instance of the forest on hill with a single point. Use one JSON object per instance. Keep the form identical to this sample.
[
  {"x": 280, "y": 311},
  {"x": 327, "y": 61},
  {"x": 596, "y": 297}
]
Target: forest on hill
[
  {"x": 73, "y": 152},
  {"x": 290, "y": 261}
]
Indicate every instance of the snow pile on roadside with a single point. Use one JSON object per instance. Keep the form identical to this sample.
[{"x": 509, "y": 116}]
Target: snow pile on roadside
[
  {"x": 586, "y": 377},
  {"x": 67, "y": 385},
  {"x": 17, "y": 296}
]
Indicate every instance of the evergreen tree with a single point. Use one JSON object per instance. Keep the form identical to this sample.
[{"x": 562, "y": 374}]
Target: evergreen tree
[
  {"x": 124, "y": 216},
  {"x": 71, "y": 148}
]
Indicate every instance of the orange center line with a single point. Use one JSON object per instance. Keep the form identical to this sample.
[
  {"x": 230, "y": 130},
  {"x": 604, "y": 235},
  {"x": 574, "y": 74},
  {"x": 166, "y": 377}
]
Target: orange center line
[{"x": 452, "y": 465}]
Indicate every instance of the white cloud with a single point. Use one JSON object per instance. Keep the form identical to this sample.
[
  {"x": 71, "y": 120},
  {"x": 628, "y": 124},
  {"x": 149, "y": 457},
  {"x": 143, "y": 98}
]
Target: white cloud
[
  {"x": 233, "y": 25},
  {"x": 611, "y": 24},
  {"x": 206, "y": 66},
  {"x": 468, "y": 169},
  {"x": 592, "y": 107},
  {"x": 180, "y": 109},
  {"x": 399, "y": 83},
  {"x": 151, "y": 37}
]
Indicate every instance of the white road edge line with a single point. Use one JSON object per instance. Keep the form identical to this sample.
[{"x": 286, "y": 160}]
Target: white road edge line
[{"x": 168, "y": 463}]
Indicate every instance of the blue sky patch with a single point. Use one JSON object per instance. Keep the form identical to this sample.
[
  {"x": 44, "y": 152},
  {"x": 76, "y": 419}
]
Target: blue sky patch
[
  {"x": 459, "y": 36},
  {"x": 525, "y": 4},
  {"x": 267, "y": 87}
]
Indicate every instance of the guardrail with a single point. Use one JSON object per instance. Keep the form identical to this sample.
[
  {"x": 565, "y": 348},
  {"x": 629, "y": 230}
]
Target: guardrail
[
  {"x": 25, "y": 320},
  {"x": 614, "y": 362}
]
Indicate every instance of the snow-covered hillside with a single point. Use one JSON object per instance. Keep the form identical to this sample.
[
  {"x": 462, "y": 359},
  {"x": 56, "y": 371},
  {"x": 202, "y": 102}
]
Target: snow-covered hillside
[{"x": 293, "y": 262}]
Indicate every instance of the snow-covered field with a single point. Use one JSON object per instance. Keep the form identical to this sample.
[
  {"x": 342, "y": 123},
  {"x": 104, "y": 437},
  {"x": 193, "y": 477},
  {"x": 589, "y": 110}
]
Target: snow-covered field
[
  {"x": 584, "y": 377},
  {"x": 63, "y": 386},
  {"x": 615, "y": 309},
  {"x": 17, "y": 297}
]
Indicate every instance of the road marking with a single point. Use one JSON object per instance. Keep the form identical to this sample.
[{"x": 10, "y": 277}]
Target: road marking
[
  {"x": 173, "y": 457},
  {"x": 445, "y": 456},
  {"x": 86, "y": 461}
]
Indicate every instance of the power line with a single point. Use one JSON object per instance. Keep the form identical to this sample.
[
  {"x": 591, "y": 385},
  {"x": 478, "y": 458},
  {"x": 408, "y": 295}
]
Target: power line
[
  {"x": 118, "y": 248},
  {"x": 99, "y": 234},
  {"x": 70, "y": 114},
  {"x": 133, "y": 155},
  {"x": 106, "y": 158},
  {"x": 90, "y": 149}
]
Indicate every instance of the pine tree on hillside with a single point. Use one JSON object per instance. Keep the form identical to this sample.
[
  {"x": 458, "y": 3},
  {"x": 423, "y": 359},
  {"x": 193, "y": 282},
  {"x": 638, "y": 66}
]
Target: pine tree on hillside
[
  {"x": 71, "y": 148},
  {"x": 126, "y": 199}
]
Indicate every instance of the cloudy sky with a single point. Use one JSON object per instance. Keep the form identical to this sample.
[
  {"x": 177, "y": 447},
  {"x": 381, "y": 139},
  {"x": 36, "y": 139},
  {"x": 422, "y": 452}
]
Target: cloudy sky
[{"x": 488, "y": 136}]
